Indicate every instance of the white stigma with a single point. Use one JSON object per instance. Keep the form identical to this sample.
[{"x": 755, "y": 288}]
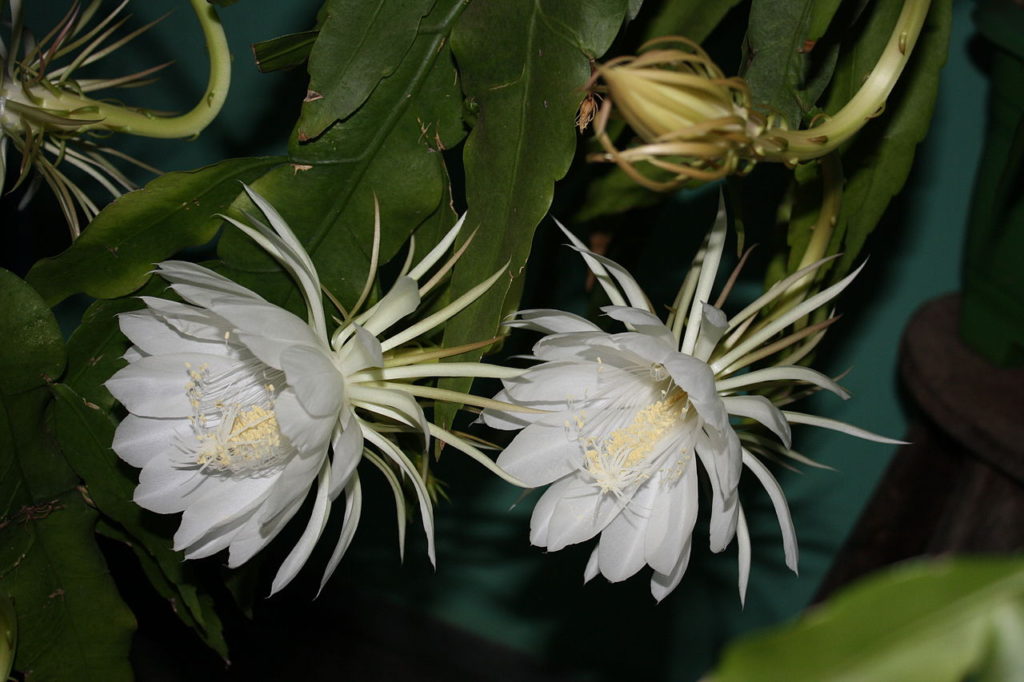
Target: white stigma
[{"x": 233, "y": 418}]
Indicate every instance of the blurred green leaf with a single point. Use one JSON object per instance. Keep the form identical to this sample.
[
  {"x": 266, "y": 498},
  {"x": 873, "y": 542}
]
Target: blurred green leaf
[
  {"x": 283, "y": 52},
  {"x": 85, "y": 433},
  {"x": 936, "y": 620},
  {"x": 388, "y": 149},
  {"x": 693, "y": 19},
  {"x": 72, "y": 624},
  {"x": 116, "y": 253},
  {"x": 878, "y": 160},
  {"x": 361, "y": 42},
  {"x": 523, "y": 67}
]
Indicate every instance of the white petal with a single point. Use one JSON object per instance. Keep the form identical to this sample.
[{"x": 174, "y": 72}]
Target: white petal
[
  {"x": 603, "y": 278},
  {"x": 393, "y": 404},
  {"x": 743, "y": 553},
  {"x": 296, "y": 559},
  {"x": 347, "y": 446},
  {"x": 712, "y": 327},
  {"x": 155, "y": 386},
  {"x": 309, "y": 434},
  {"x": 188, "y": 320},
  {"x": 642, "y": 322},
  {"x": 315, "y": 380},
  {"x": 255, "y": 534},
  {"x": 778, "y": 498},
  {"x": 218, "y": 539},
  {"x": 711, "y": 255},
  {"x": 166, "y": 488},
  {"x": 400, "y": 301},
  {"x": 137, "y": 440},
  {"x": 551, "y": 321},
  {"x": 353, "y": 510},
  {"x": 154, "y": 336},
  {"x": 582, "y": 513},
  {"x": 672, "y": 520},
  {"x": 783, "y": 373},
  {"x": 545, "y": 508},
  {"x": 200, "y": 285},
  {"x": 760, "y": 409},
  {"x": 825, "y": 423},
  {"x": 506, "y": 421},
  {"x": 266, "y": 329},
  {"x": 592, "y": 569},
  {"x": 540, "y": 454},
  {"x": 222, "y": 499},
  {"x": 663, "y": 583},
  {"x": 621, "y": 547},
  {"x": 695, "y": 377},
  {"x": 361, "y": 351}
]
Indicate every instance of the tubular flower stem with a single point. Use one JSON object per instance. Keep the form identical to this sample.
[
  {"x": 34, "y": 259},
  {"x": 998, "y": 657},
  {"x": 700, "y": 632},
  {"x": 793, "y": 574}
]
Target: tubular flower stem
[
  {"x": 237, "y": 408},
  {"x": 44, "y": 109},
  {"x": 696, "y": 124},
  {"x": 626, "y": 419}
]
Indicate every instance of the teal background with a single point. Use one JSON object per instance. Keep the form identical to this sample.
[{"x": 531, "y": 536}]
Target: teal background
[{"x": 488, "y": 580}]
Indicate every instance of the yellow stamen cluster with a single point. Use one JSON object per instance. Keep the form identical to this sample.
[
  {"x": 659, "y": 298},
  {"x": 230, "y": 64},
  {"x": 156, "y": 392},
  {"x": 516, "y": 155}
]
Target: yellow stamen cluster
[{"x": 624, "y": 457}]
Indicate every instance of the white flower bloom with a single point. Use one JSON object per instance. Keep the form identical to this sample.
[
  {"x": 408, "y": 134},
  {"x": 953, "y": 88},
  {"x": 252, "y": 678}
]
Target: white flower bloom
[
  {"x": 632, "y": 417},
  {"x": 234, "y": 403}
]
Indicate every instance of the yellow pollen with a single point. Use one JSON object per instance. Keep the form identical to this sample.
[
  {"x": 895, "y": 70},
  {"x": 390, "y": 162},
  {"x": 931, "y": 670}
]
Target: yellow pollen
[
  {"x": 253, "y": 437},
  {"x": 622, "y": 458}
]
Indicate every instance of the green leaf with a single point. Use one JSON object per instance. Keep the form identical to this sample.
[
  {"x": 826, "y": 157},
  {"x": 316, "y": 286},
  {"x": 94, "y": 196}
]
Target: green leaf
[
  {"x": 388, "y": 149},
  {"x": 693, "y": 19},
  {"x": 361, "y": 42},
  {"x": 72, "y": 624},
  {"x": 785, "y": 74},
  {"x": 284, "y": 52},
  {"x": 929, "y": 620},
  {"x": 85, "y": 433},
  {"x": 878, "y": 161},
  {"x": 523, "y": 67},
  {"x": 116, "y": 253}
]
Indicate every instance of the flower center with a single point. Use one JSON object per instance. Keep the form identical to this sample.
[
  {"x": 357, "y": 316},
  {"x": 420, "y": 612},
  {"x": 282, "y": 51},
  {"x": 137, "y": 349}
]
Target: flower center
[
  {"x": 627, "y": 456},
  {"x": 233, "y": 418}
]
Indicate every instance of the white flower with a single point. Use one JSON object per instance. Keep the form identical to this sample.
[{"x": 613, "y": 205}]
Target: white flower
[
  {"x": 235, "y": 403},
  {"x": 632, "y": 417}
]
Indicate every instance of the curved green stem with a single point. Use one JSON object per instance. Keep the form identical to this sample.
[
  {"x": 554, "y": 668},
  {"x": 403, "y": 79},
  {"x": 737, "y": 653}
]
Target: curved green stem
[
  {"x": 821, "y": 231},
  {"x": 144, "y": 124},
  {"x": 802, "y": 145}
]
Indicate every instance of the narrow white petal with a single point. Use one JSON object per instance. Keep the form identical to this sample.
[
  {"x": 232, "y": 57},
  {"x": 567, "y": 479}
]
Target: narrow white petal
[
  {"x": 662, "y": 584},
  {"x": 400, "y": 301},
  {"x": 395, "y": 404},
  {"x": 466, "y": 448},
  {"x": 551, "y": 322},
  {"x": 603, "y": 278},
  {"x": 592, "y": 569},
  {"x": 760, "y": 409},
  {"x": 743, "y": 554},
  {"x": 256, "y": 534},
  {"x": 778, "y": 324},
  {"x": 544, "y": 509},
  {"x": 361, "y": 351},
  {"x": 438, "y": 251},
  {"x": 825, "y": 423},
  {"x": 776, "y": 290},
  {"x": 347, "y": 450},
  {"x": 634, "y": 294},
  {"x": 422, "y": 496},
  {"x": 297, "y": 558},
  {"x": 582, "y": 513},
  {"x": 712, "y": 255},
  {"x": 643, "y": 322},
  {"x": 309, "y": 434},
  {"x": 200, "y": 285},
  {"x": 165, "y": 488},
  {"x": 712, "y": 326},
  {"x": 778, "y": 498},
  {"x": 353, "y": 510},
  {"x": 154, "y": 336},
  {"x": 785, "y": 373}
]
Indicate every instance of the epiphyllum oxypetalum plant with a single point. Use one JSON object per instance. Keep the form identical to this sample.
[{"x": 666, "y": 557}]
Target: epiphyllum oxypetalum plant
[
  {"x": 696, "y": 124},
  {"x": 238, "y": 407},
  {"x": 632, "y": 417},
  {"x": 47, "y": 114}
]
